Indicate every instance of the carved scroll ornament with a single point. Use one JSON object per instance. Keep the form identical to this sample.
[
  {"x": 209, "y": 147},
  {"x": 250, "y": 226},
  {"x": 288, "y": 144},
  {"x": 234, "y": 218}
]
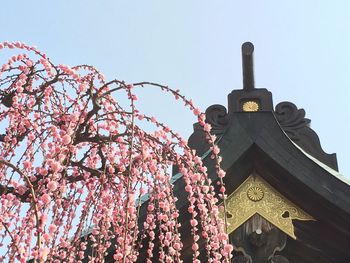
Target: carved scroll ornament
[
  {"x": 297, "y": 127},
  {"x": 217, "y": 117}
]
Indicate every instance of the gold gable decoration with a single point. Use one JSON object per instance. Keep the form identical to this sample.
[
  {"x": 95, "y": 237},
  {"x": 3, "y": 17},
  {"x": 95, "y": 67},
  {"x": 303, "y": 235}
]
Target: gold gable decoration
[{"x": 256, "y": 196}]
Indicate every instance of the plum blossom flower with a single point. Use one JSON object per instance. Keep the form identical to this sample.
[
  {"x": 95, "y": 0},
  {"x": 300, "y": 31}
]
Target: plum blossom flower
[
  {"x": 83, "y": 159},
  {"x": 46, "y": 199},
  {"x": 52, "y": 186},
  {"x": 66, "y": 139}
]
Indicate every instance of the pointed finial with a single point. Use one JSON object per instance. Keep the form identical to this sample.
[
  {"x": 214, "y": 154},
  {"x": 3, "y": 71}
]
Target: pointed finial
[{"x": 247, "y": 66}]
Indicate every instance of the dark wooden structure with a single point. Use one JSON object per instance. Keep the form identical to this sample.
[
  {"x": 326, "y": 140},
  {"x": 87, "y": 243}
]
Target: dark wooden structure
[{"x": 277, "y": 146}]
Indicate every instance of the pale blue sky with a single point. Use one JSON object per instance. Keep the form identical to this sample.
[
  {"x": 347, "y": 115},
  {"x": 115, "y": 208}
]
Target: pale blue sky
[{"x": 301, "y": 51}]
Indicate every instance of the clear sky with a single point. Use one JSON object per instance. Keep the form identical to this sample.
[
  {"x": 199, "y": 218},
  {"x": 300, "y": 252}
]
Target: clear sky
[{"x": 301, "y": 51}]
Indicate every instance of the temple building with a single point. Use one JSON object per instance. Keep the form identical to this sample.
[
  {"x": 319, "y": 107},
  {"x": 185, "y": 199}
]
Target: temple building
[{"x": 286, "y": 201}]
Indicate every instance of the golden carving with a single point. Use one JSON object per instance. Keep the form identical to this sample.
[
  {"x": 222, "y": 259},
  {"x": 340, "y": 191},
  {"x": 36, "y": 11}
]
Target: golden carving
[
  {"x": 255, "y": 193},
  {"x": 250, "y": 106},
  {"x": 256, "y": 196}
]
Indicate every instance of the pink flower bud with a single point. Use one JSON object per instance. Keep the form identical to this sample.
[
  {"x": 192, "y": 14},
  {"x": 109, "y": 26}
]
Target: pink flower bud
[
  {"x": 177, "y": 246},
  {"x": 66, "y": 139},
  {"x": 221, "y": 173},
  {"x": 228, "y": 248},
  {"x": 46, "y": 199},
  {"x": 194, "y": 222},
  {"x": 196, "y": 111},
  {"x": 52, "y": 228},
  {"x": 52, "y": 186}
]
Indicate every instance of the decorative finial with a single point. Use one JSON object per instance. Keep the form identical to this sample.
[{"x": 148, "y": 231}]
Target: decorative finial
[{"x": 247, "y": 66}]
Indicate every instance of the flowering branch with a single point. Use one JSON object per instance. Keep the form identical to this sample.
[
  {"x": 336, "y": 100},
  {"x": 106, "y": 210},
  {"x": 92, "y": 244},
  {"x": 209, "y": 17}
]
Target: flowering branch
[{"x": 72, "y": 156}]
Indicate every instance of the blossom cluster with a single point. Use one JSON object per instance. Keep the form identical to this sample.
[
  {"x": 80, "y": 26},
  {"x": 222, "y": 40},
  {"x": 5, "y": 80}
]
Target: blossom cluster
[{"x": 73, "y": 156}]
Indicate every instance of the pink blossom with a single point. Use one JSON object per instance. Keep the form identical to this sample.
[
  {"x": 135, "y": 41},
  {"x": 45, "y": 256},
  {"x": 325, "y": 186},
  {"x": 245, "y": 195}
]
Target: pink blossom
[
  {"x": 55, "y": 166},
  {"x": 111, "y": 169},
  {"x": 216, "y": 149},
  {"x": 221, "y": 173},
  {"x": 177, "y": 246},
  {"x": 29, "y": 63},
  {"x": 31, "y": 136},
  {"x": 222, "y": 189},
  {"x": 52, "y": 186},
  {"x": 82, "y": 87},
  {"x": 66, "y": 139},
  {"x": 27, "y": 164},
  {"x": 194, "y": 222},
  {"x": 46, "y": 199},
  {"x": 99, "y": 180},
  {"x": 207, "y": 127},
  {"x": 118, "y": 256},
  {"x": 43, "y": 253},
  {"x": 43, "y": 171},
  {"x": 228, "y": 248},
  {"x": 52, "y": 228},
  {"x": 196, "y": 111},
  {"x": 46, "y": 237}
]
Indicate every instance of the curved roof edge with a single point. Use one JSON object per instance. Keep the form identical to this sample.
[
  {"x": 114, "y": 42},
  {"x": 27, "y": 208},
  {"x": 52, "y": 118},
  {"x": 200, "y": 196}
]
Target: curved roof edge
[{"x": 323, "y": 165}]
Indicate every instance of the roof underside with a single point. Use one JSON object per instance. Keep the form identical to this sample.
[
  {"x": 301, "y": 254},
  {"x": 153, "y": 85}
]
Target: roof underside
[{"x": 255, "y": 142}]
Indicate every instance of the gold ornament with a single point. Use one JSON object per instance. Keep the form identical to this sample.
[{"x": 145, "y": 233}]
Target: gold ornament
[
  {"x": 250, "y": 106},
  {"x": 256, "y": 196},
  {"x": 255, "y": 193}
]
